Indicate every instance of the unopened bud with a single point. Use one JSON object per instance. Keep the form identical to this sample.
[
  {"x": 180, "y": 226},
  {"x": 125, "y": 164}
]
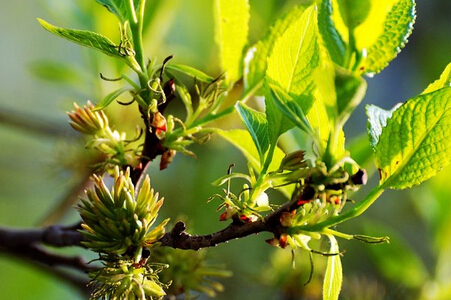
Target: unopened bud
[{"x": 293, "y": 161}]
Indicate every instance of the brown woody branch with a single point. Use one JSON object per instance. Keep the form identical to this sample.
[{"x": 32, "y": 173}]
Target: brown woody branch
[{"x": 59, "y": 236}]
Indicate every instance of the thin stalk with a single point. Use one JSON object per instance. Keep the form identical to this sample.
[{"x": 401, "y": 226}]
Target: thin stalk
[{"x": 357, "y": 210}]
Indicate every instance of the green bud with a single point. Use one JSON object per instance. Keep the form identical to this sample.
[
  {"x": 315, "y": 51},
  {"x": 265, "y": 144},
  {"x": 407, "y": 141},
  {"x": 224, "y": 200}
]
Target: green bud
[{"x": 293, "y": 161}]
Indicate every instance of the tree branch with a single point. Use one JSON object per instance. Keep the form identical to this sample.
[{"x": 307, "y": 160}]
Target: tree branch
[
  {"x": 57, "y": 236},
  {"x": 179, "y": 238}
]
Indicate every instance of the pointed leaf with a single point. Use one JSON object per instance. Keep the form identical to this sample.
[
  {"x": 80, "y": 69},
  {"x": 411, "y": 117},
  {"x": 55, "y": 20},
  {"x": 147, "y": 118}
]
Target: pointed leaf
[
  {"x": 350, "y": 91},
  {"x": 333, "y": 278},
  {"x": 354, "y": 12},
  {"x": 231, "y": 31},
  {"x": 291, "y": 108},
  {"x": 255, "y": 63},
  {"x": 190, "y": 71},
  {"x": 443, "y": 81},
  {"x": 397, "y": 28},
  {"x": 85, "y": 38},
  {"x": 277, "y": 122},
  {"x": 110, "y": 98},
  {"x": 295, "y": 57},
  {"x": 242, "y": 140},
  {"x": 119, "y": 8},
  {"x": 257, "y": 126},
  {"x": 377, "y": 119},
  {"x": 330, "y": 35},
  {"x": 416, "y": 143},
  {"x": 183, "y": 93}
]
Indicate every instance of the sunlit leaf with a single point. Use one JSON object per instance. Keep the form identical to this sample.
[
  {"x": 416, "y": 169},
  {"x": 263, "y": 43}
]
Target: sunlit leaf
[
  {"x": 85, "y": 38},
  {"x": 277, "y": 122},
  {"x": 350, "y": 90},
  {"x": 231, "y": 31},
  {"x": 377, "y": 119},
  {"x": 118, "y": 8},
  {"x": 397, "y": 28},
  {"x": 443, "y": 81},
  {"x": 333, "y": 278},
  {"x": 292, "y": 108},
  {"x": 257, "y": 126},
  {"x": 255, "y": 63},
  {"x": 416, "y": 142},
  {"x": 354, "y": 12},
  {"x": 330, "y": 36},
  {"x": 110, "y": 98},
  {"x": 190, "y": 71},
  {"x": 296, "y": 56},
  {"x": 243, "y": 141}
]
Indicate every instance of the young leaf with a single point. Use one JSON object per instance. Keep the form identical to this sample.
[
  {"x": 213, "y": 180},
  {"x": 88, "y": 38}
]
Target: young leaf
[
  {"x": 377, "y": 119},
  {"x": 231, "y": 30},
  {"x": 190, "y": 71},
  {"x": 85, "y": 38},
  {"x": 255, "y": 63},
  {"x": 295, "y": 57},
  {"x": 330, "y": 36},
  {"x": 354, "y": 12},
  {"x": 183, "y": 93},
  {"x": 256, "y": 125},
  {"x": 243, "y": 141},
  {"x": 443, "y": 81},
  {"x": 118, "y": 8},
  {"x": 333, "y": 278},
  {"x": 292, "y": 108},
  {"x": 277, "y": 123},
  {"x": 397, "y": 28},
  {"x": 416, "y": 143},
  {"x": 350, "y": 91},
  {"x": 110, "y": 98}
]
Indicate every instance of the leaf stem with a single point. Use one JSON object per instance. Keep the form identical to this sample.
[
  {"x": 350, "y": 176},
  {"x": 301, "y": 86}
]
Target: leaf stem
[{"x": 350, "y": 214}]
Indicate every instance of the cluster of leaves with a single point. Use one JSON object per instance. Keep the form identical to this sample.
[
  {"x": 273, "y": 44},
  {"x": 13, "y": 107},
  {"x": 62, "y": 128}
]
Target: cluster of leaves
[{"x": 309, "y": 68}]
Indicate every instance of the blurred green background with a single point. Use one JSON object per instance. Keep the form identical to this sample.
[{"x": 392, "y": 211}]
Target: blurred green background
[{"x": 42, "y": 75}]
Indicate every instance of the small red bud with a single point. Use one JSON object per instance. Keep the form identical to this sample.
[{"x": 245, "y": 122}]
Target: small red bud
[{"x": 283, "y": 241}]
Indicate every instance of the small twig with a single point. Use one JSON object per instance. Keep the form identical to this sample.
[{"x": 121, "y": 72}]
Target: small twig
[
  {"x": 57, "y": 236},
  {"x": 178, "y": 238}
]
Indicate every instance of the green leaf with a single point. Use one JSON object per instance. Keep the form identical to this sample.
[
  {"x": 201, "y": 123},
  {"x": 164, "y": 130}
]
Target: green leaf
[
  {"x": 333, "y": 278},
  {"x": 350, "y": 90},
  {"x": 443, "y": 81},
  {"x": 416, "y": 143},
  {"x": 190, "y": 71},
  {"x": 183, "y": 93},
  {"x": 377, "y": 120},
  {"x": 330, "y": 36},
  {"x": 257, "y": 126},
  {"x": 85, "y": 38},
  {"x": 255, "y": 62},
  {"x": 397, "y": 28},
  {"x": 292, "y": 108},
  {"x": 295, "y": 57},
  {"x": 119, "y": 8},
  {"x": 231, "y": 31},
  {"x": 110, "y": 98},
  {"x": 243, "y": 141},
  {"x": 354, "y": 12},
  {"x": 396, "y": 260},
  {"x": 277, "y": 123}
]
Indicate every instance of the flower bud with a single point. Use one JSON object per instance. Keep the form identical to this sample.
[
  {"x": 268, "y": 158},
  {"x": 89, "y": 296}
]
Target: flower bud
[
  {"x": 87, "y": 120},
  {"x": 293, "y": 161}
]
